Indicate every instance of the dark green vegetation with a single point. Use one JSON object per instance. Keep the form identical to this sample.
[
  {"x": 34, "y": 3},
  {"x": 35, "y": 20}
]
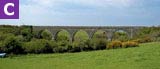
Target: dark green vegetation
[
  {"x": 23, "y": 40},
  {"x": 146, "y": 56}
]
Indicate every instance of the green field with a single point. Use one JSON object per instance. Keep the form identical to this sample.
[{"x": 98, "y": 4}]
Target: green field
[{"x": 147, "y": 56}]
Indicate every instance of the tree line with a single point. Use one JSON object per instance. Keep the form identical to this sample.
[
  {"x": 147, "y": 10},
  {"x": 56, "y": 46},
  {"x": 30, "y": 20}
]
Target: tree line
[{"x": 23, "y": 40}]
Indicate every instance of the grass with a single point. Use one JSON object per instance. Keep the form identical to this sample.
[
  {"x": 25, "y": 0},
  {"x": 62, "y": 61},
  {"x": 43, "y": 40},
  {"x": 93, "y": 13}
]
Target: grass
[{"x": 147, "y": 56}]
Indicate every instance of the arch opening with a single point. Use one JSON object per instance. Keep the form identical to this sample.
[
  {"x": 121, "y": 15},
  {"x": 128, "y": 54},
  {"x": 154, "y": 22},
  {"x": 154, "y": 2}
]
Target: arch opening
[
  {"x": 45, "y": 34},
  {"x": 120, "y": 35},
  {"x": 80, "y": 36},
  {"x": 62, "y": 35},
  {"x": 100, "y": 34}
]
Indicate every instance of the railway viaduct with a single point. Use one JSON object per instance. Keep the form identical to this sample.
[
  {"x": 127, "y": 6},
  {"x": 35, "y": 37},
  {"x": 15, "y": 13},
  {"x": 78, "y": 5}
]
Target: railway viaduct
[{"x": 90, "y": 30}]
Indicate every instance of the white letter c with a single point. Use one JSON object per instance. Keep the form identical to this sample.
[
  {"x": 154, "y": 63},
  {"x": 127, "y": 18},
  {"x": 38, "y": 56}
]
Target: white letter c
[{"x": 6, "y": 7}]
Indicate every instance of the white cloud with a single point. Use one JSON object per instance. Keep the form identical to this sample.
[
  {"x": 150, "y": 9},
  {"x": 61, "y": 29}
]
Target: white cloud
[
  {"x": 43, "y": 12},
  {"x": 42, "y": 7},
  {"x": 82, "y": 12}
]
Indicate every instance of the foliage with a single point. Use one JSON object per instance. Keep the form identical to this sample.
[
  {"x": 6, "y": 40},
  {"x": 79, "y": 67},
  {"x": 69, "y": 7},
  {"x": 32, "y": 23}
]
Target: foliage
[
  {"x": 3, "y": 36},
  {"x": 81, "y": 36},
  {"x": 19, "y": 39},
  {"x": 98, "y": 44},
  {"x": 79, "y": 46},
  {"x": 62, "y": 35},
  {"x": 129, "y": 44},
  {"x": 143, "y": 40},
  {"x": 144, "y": 57},
  {"x": 99, "y": 40},
  {"x": 9, "y": 29},
  {"x": 100, "y": 34},
  {"x": 45, "y": 34},
  {"x": 80, "y": 41},
  {"x": 39, "y": 46},
  {"x": 121, "y": 36},
  {"x": 114, "y": 44},
  {"x": 26, "y": 32},
  {"x": 150, "y": 33},
  {"x": 12, "y": 45},
  {"x": 63, "y": 46}
]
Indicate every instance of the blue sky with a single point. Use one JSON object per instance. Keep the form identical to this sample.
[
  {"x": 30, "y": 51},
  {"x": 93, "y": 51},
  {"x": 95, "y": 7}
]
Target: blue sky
[{"x": 88, "y": 13}]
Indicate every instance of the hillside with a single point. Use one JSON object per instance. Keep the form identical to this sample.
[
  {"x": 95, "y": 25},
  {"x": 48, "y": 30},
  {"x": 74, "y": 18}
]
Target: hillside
[{"x": 147, "y": 56}]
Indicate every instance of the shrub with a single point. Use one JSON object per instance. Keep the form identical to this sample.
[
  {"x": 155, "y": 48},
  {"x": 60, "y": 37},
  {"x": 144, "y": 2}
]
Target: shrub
[
  {"x": 1, "y": 46},
  {"x": 98, "y": 44},
  {"x": 35, "y": 46},
  {"x": 63, "y": 46},
  {"x": 53, "y": 45},
  {"x": 114, "y": 44},
  {"x": 49, "y": 47},
  {"x": 39, "y": 46},
  {"x": 26, "y": 33},
  {"x": 45, "y": 46},
  {"x": 136, "y": 40},
  {"x": 147, "y": 39},
  {"x": 81, "y": 36},
  {"x": 12, "y": 45},
  {"x": 129, "y": 44},
  {"x": 3, "y": 36},
  {"x": 79, "y": 46},
  {"x": 45, "y": 34},
  {"x": 62, "y": 35},
  {"x": 120, "y": 36},
  {"x": 143, "y": 40}
]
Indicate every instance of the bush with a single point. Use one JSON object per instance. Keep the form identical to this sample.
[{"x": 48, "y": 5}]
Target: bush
[
  {"x": 143, "y": 40},
  {"x": 1, "y": 46},
  {"x": 45, "y": 34},
  {"x": 63, "y": 46},
  {"x": 129, "y": 44},
  {"x": 26, "y": 33},
  {"x": 79, "y": 46},
  {"x": 98, "y": 44},
  {"x": 147, "y": 39},
  {"x": 120, "y": 36},
  {"x": 3, "y": 36},
  {"x": 81, "y": 36},
  {"x": 39, "y": 46},
  {"x": 12, "y": 45},
  {"x": 114, "y": 44},
  {"x": 62, "y": 35},
  {"x": 35, "y": 46}
]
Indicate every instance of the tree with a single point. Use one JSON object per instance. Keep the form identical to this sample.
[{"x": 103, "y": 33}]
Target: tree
[
  {"x": 121, "y": 36},
  {"x": 12, "y": 45},
  {"x": 62, "y": 35},
  {"x": 45, "y": 34},
  {"x": 39, "y": 46},
  {"x": 26, "y": 33}
]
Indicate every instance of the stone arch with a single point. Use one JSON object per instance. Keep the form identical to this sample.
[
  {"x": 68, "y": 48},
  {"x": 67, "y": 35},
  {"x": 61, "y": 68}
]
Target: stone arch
[
  {"x": 122, "y": 30},
  {"x": 62, "y": 32},
  {"x": 41, "y": 31},
  {"x": 82, "y": 35},
  {"x": 120, "y": 33},
  {"x": 99, "y": 31}
]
